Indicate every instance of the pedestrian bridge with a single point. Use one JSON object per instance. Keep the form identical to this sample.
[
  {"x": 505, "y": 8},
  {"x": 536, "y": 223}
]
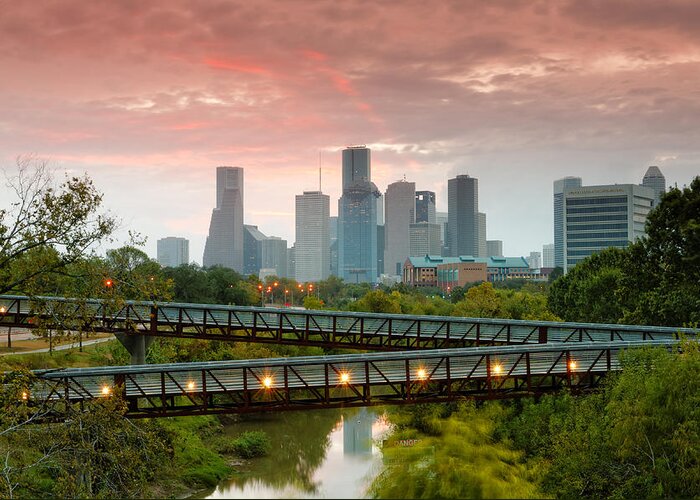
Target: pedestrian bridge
[
  {"x": 315, "y": 382},
  {"x": 425, "y": 358},
  {"x": 329, "y": 329}
]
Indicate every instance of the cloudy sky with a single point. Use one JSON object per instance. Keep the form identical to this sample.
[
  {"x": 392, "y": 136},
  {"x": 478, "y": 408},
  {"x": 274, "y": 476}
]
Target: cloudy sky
[{"x": 149, "y": 97}]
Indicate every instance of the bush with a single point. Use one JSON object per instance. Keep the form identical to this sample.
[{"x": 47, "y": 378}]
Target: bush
[{"x": 252, "y": 444}]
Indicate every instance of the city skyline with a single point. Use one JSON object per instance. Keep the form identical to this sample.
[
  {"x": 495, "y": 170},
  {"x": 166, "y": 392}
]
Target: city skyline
[{"x": 148, "y": 99}]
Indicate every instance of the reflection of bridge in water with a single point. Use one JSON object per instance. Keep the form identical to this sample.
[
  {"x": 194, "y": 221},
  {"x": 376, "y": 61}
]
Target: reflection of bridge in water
[{"x": 508, "y": 359}]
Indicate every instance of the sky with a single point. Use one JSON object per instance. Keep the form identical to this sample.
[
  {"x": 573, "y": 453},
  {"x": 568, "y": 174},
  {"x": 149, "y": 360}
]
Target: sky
[{"x": 148, "y": 98}]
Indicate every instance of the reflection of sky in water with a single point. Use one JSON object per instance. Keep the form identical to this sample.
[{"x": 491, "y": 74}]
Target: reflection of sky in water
[{"x": 343, "y": 473}]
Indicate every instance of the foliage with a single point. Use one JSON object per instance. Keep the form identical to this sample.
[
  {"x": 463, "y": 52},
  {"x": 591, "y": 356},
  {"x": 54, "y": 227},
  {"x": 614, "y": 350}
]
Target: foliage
[
  {"x": 313, "y": 303},
  {"x": 252, "y": 444},
  {"x": 593, "y": 290},
  {"x": 656, "y": 280},
  {"x": 378, "y": 301},
  {"x": 48, "y": 226},
  {"x": 639, "y": 438},
  {"x": 459, "y": 460}
]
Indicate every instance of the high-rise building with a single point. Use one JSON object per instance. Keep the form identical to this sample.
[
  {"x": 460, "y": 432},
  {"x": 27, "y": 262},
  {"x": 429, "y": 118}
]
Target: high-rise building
[
  {"x": 252, "y": 249},
  {"x": 442, "y": 218},
  {"x": 548, "y": 255},
  {"x": 400, "y": 209},
  {"x": 655, "y": 180},
  {"x": 534, "y": 260},
  {"x": 274, "y": 255},
  {"x": 462, "y": 210},
  {"x": 357, "y": 219},
  {"x": 291, "y": 261},
  {"x": 481, "y": 236},
  {"x": 599, "y": 217},
  {"x": 425, "y": 239},
  {"x": 333, "y": 230},
  {"x": 494, "y": 248},
  {"x": 559, "y": 186},
  {"x": 173, "y": 252},
  {"x": 425, "y": 207},
  {"x": 380, "y": 210},
  {"x": 313, "y": 244},
  {"x": 224, "y": 245}
]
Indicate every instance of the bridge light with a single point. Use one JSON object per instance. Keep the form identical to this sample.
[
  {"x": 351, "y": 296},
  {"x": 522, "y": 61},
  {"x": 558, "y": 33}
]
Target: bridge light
[
  {"x": 572, "y": 365},
  {"x": 422, "y": 374},
  {"x": 190, "y": 386},
  {"x": 3, "y": 309},
  {"x": 497, "y": 369},
  {"x": 106, "y": 390},
  {"x": 267, "y": 382},
  {"x": 344, "y": 377}
]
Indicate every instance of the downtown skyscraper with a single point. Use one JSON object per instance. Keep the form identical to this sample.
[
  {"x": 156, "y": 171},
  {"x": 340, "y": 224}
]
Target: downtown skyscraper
[
  {"x": 399, "y": 213},
  {"x": 224, "y": 245},
  {"x": 313, "y": 243},
  {"x": 463, "y": 216},
  {"x": 655, "y": 180},
  {"x": 357, "y": 218},
  {"x": 560, "y": 186}
]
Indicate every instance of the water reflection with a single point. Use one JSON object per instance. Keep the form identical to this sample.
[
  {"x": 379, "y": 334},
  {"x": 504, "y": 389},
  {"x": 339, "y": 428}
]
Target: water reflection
[
  {"x": 357, "y": 432},
  {"x": 316, "y": 454}
]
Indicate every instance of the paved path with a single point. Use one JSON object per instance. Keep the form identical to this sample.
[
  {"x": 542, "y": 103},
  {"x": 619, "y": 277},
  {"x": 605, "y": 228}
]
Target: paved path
[{"x": 62, "y": 347}]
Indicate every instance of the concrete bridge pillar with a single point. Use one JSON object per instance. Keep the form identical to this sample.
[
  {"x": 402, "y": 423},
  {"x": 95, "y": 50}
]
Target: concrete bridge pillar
[{"x": 137, "y": 345}]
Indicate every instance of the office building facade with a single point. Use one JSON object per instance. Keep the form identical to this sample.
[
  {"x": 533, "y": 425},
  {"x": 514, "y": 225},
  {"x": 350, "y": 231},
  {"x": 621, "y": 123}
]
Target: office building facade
[
  {"x": 654, "y": 179},
  {"x": 559, "y": 186},
  {"x": 274, "y": 256},
  {"x": 224, "y": 245},
  {"x": 482, "y": 250},
  {"x": 173, "y": 252},
  {"x": 399, "y": 212},
  {"x": 252, "y": 249},
  {"x": 425, "y": 207},
  {"x": 313, "y": 243},
  {"x": 548, "y": 255},
  {"x": 357, "y": 219},
  {"x": 424, "y": 239},
  {"x": 494, "y": 248},
  {"x": 599, "y": 217},
  {"x": 462, "y": 213}
]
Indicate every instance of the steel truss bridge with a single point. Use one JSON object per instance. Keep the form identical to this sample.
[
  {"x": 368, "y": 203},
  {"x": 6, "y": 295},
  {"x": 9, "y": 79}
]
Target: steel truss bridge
[{"x": 505, "y": 358}]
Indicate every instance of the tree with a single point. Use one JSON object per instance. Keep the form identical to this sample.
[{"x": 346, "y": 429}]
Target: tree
[
  {"x": 480, "y": 301},
  {"x": 593, "y": 290},
  {"x": 665, "y": 284},
  {"x": 47, "y": 227}
]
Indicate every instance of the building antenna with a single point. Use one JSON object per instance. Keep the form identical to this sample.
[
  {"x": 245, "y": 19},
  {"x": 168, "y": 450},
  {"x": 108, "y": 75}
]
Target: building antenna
[{"x": 319, "y": 172}]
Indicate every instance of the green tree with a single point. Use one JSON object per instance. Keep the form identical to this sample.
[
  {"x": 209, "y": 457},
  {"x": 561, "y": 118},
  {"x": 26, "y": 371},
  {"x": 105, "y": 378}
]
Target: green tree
[
  {"x": 458, "y": 459},
  {"x": 47, "y": 226},
  {"x": 378, "y": 301},
  {"x": 664, "y": 284},
  {"x": 480, "y": 301},
  {"x": 593, "y": 290}
]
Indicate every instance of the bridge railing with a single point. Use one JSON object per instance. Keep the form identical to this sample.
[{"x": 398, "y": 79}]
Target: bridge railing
[
  {"x": 371, "y": 331},
  {"x": 344, "y": 380}
]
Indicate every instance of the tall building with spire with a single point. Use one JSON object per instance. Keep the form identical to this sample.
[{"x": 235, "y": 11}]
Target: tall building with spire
[
  {"x": 224, "y": 245},
  {"x": 655, "y": 180},
  {"x": 357, "y": 218}
]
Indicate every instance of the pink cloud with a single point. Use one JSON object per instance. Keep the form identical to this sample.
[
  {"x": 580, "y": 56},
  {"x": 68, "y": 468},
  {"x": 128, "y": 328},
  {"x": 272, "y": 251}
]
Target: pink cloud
[{"x": 236, "y": 65}]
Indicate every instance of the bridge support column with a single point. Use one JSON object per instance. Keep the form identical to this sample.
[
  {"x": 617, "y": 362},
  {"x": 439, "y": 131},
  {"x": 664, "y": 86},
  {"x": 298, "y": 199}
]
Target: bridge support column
[{"x": 137, "y": 345}]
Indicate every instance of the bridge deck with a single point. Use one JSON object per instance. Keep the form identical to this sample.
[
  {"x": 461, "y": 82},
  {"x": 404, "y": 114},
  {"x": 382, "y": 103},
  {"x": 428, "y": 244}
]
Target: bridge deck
[
  {"x": 367, "y": 331},
  {"x": 345, "y": 380}
]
